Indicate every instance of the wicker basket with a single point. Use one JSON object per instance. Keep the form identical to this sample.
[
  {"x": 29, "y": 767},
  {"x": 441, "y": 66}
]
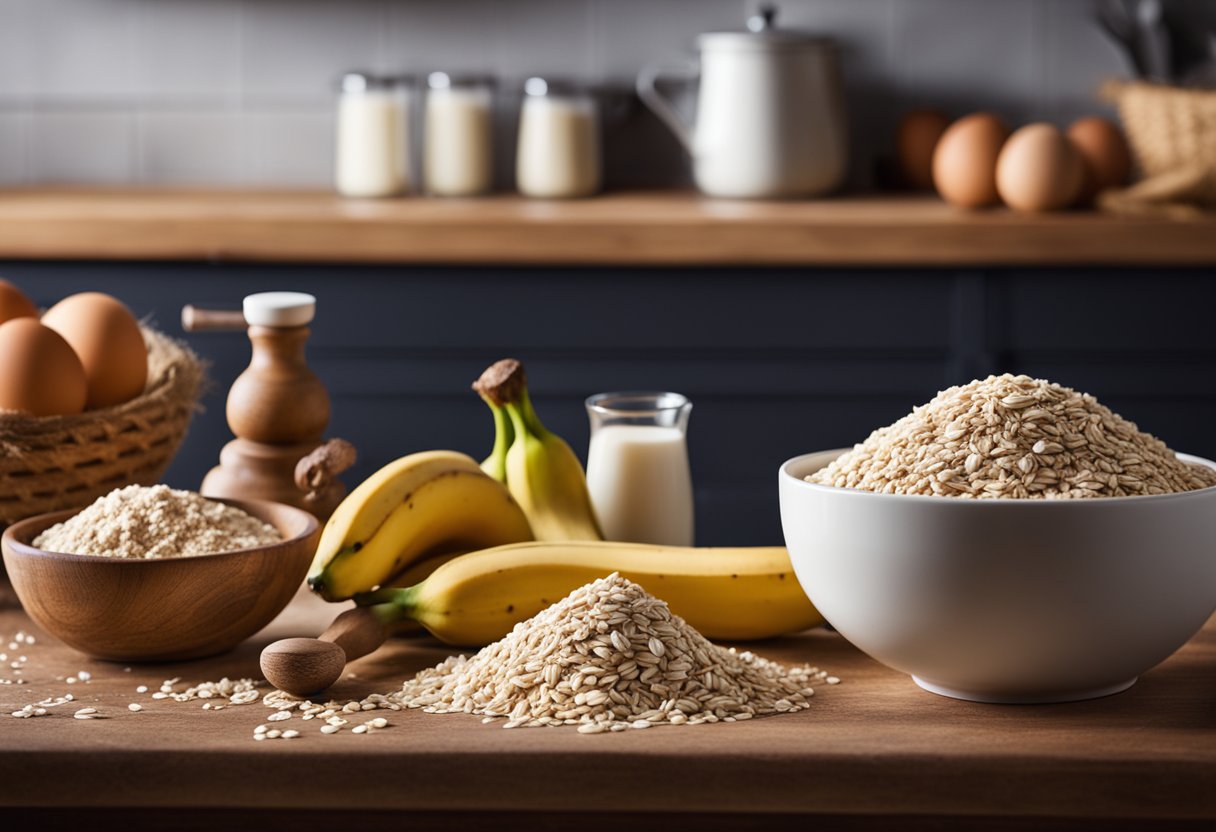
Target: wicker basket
[
  {"x": 1172, "y": 132},
  {"x": 58, "y": 462}
]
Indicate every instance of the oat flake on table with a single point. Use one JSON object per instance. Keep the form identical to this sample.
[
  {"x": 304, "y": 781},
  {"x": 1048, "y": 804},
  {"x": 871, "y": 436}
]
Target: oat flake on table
[{"x": 156, "y": 522}]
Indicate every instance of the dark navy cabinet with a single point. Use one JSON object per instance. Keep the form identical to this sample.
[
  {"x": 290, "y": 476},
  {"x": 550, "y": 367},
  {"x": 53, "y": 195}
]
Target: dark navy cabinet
[{"x": 776, "y": 361}]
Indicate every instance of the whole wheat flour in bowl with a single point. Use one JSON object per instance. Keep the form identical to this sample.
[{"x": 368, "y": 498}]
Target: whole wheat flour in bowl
[
  {"x": 156, "y": 522},
  {"x": 1013, "y": 437}
]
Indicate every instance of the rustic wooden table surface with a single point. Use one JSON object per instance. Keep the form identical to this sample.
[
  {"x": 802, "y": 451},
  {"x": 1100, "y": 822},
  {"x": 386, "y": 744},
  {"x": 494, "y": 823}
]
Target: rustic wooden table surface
[{"x": 874, "y": 752}]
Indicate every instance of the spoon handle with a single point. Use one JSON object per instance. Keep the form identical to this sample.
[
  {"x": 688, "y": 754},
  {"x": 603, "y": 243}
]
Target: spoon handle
[
  {"x": 357, "y": 631},
  {"x": 198, "y": 319}
]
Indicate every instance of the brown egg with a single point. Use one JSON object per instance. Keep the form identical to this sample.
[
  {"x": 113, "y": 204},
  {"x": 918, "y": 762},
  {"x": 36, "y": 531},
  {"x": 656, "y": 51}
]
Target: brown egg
[
  {"x": 14, "y": 303},
  {"x": 106, "y": 336},
  {"x": 1038, "y": 169},
  {"x": 915, "y": 139},
  {"x": 1106, "y": 160},
  {"x": 40, "y": 373},
  {"x": 964, "y": 161}
]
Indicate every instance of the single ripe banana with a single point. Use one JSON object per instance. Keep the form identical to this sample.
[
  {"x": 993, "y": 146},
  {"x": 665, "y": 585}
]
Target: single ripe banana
[
  {"x": 547, "y": 480},
  {"x": 415, "y": 507},
  {"x": 731, "y": 594},
  {"x": 543, "y": 474}
]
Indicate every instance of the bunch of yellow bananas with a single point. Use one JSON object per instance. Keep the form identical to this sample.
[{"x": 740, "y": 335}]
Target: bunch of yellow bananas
[
  {"x": 537, "y": 466},
  {"x": 461, "y": 542}
]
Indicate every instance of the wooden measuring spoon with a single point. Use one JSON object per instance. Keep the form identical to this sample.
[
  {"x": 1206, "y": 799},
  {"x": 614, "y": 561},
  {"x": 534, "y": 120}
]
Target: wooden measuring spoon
[{"x": 303, "y": 666}]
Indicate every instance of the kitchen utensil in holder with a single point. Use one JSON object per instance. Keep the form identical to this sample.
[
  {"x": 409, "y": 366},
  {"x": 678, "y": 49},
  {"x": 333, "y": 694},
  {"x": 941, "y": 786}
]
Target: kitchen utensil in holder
[{"x": 277, "y": 408}]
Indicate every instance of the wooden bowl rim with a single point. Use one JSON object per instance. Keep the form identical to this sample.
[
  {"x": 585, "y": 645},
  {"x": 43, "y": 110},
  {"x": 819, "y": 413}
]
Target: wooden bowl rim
[{"x": 17, "y": 536}]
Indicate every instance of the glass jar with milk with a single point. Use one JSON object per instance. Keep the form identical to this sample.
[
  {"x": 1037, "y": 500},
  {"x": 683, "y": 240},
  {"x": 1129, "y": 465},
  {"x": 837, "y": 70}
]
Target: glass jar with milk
[
  {"x": 559, "y": 141},
  {"x": 637, "y": 467},
  {"x": 458, "y": 151},
  {"x": 372, "y": 145}
]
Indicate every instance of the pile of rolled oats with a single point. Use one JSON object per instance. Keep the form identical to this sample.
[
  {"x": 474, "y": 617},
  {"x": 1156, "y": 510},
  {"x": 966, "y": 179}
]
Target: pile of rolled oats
[{"x": 1014, "y": 437}]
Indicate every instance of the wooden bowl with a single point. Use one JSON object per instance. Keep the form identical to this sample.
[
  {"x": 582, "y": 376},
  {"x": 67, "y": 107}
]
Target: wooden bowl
[{"x": 165, "y": 609}]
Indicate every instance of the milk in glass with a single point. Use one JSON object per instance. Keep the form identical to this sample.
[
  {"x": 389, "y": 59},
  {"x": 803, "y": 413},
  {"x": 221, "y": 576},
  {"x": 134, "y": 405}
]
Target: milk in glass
[{"x": 637, "y": 467}]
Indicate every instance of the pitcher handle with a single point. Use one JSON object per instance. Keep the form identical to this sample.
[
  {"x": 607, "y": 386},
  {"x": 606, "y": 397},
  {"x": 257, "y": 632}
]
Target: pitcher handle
[{"x": 648, "y": 91}]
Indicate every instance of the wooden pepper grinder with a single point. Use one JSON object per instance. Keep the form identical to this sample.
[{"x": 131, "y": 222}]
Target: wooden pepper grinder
[{"x": 278, "y": 410}]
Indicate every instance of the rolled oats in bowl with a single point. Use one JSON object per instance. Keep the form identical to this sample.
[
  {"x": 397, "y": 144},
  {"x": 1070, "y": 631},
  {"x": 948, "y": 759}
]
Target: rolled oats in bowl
[{"x": 1013, "y": 437}]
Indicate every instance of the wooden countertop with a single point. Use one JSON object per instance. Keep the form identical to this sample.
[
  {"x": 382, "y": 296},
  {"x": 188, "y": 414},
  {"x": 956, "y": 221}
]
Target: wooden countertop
[
  {"x": 875, "y": 751},
  {"x": 656, "y": 228}
]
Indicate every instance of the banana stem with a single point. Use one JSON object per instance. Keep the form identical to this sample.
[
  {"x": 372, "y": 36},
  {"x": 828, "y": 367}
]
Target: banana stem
[
  {"x": 505, "y": 384},
  {"x": 390, "y": 604},
  {"x": 502, "y": 381},
  {"x": 504, "y": 433},
  {"x": 385, "y": 609},
  {"x": 524, "y": 418}
]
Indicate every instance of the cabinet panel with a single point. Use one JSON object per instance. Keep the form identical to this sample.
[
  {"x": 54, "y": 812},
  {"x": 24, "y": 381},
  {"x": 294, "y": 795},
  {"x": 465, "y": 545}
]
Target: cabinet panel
[
  {"x": 1102, "y": 311},
  {"x": 777, "y": 362},
  {"x": 548, "y": 309}
]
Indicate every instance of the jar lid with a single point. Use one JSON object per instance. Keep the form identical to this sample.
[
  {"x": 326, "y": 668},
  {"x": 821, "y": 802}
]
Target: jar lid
[
  {"x": 360, "y": 81},
  {"x": 763, "y": 35},
  {"x": 452, "y": 80},
  {"x": 279, "y": 309},
  {"x": 538, "y": 87}
]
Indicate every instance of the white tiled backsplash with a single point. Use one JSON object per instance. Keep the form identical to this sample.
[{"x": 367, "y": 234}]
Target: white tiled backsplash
[{"x": 230, "y": 92}]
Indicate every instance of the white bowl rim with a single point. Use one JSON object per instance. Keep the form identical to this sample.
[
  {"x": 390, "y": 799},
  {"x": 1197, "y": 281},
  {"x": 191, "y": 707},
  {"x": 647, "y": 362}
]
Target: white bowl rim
[{"x": 856, "y": 493}]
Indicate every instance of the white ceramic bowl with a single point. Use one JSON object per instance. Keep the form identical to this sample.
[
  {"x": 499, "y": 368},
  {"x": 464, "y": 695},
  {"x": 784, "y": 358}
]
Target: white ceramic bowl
[{"x": 1016, "y": 601}]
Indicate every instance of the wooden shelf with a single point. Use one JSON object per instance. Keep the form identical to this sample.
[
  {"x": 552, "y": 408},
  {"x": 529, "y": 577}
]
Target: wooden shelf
[{"x": 656, "y": 228}]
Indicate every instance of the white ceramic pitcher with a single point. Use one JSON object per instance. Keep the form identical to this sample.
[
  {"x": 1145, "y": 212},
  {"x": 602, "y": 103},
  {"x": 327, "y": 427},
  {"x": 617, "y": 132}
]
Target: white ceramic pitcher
[{"x": 770, "y": 117}]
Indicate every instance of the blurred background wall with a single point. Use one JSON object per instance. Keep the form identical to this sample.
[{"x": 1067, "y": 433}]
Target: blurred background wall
[{"x": 239, "y": 92}]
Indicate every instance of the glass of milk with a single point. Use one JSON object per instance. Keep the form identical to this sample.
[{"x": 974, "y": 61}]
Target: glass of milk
[
  {"x": 637, "y": 467},
  {"x": 371, "y": 147},
  {"x": 558, "y": 155},
  {"x": 458, "y": 149}
]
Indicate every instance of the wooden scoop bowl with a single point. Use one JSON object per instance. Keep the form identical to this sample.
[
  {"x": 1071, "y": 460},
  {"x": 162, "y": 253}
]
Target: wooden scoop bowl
[
  {"x": 164, "y": 609},
  {"x": 303, "y": 666}
]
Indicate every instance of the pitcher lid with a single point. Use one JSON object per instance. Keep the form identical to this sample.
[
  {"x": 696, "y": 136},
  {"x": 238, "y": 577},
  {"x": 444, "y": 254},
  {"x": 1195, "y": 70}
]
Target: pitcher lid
[{"x": 762, "y": 34}]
